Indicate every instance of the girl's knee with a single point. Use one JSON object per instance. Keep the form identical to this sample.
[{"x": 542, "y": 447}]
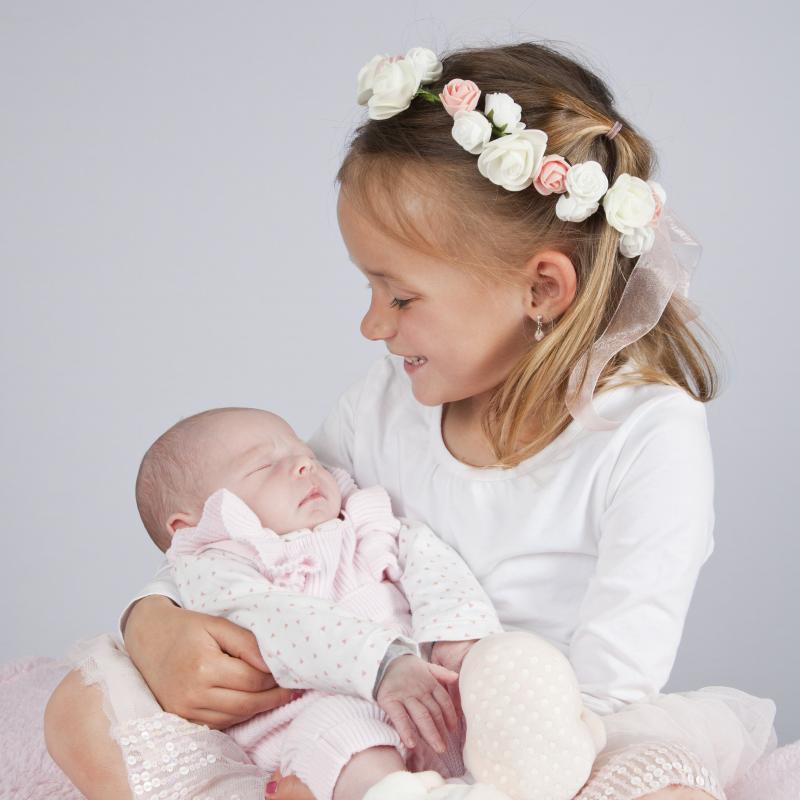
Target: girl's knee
[{"x": 76, "y": 731}]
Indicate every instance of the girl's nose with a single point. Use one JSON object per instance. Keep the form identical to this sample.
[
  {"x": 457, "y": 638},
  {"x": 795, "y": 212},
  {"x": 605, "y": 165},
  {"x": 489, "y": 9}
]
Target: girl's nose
[{"x": 378, "y": 323}]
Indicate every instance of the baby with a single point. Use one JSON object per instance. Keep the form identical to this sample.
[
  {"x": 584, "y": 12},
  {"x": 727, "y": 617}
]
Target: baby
[{"x": 345, "y": 600}]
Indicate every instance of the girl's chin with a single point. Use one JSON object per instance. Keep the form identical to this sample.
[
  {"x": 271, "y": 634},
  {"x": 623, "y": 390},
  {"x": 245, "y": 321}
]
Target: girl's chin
[{"x": 426, "y": 395}]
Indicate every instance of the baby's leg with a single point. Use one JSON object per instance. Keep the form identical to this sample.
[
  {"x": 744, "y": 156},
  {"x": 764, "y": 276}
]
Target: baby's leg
[
  {"x": 364, "y": 770},
  {"x": 341, "y": 741}
]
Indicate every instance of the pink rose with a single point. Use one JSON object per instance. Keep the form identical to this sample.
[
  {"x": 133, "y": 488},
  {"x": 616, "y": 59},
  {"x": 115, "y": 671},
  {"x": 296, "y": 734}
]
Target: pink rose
[
  {"x": 552, "y": 176},
  {"x": 459, "y": 95}
]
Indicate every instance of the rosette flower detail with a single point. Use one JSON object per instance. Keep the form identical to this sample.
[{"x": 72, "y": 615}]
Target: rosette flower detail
[
  {"x": 552, "y": 175},
  {"x": 633, "y": 206},
  {"x": 513, "y": 160},
  {"x": 388, "y": 84},
  {"x": 503, "y": 112},
  {"x": 585, "y": 184},
  {"x": 472, "y": 131},
  {"x": 459, "y": 95}
]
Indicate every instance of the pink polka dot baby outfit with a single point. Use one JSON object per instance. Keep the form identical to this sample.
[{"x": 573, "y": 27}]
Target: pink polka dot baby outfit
[{"x": 326, "y": 605}]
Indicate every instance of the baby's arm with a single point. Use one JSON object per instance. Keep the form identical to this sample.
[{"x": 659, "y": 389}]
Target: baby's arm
[
  {"x": 307, "y": 642},
  {"x": 447, "y": 602}
]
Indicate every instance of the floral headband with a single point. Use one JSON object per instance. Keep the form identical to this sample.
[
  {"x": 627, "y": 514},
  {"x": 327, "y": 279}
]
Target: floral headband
[{"x": 511, "y": 155}]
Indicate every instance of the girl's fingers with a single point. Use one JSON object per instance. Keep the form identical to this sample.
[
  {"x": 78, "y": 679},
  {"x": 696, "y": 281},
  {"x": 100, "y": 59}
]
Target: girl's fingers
[
  {"x": 244, "y": 705},
  {"x": 403, "y": 724},
  {"x": 237, "y": 642},
  {"x": 233, "y": 673},
  {"x": 455, "y": 694},
  {"x": 425, "y": 724},
  {"x": 443, "y": 675},
  {"x": 446, "y": 704}
]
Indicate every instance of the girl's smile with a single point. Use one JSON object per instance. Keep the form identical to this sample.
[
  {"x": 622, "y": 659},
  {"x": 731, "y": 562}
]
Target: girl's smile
[{"x": 458, "y": 336}]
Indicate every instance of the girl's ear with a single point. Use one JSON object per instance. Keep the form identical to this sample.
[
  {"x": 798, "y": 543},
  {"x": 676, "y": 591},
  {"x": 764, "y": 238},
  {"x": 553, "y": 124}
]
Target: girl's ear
[{"x": 551, "y": 284}]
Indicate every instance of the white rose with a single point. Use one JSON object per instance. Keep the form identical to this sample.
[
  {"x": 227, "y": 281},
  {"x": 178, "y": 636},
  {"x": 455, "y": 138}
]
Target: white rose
[
  {"x": 586, "y": 183},
  {"x": 366, "y": 77},
  {"x": 638, "y": 241},
  {"x": 629, "y": 203},
  {"x": 512, "y": 161},
  {"x": 428, "y": 66},
  {"x": 571, "y": 209},
  {"x": 394, "y": 87},
  {"x": 471, "y": 130},
  {"x": 504, "y": 111}
]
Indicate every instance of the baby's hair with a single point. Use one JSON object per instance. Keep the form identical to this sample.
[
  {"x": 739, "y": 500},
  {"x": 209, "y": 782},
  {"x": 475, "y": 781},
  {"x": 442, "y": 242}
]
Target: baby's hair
[
  {"x": 419, "y": 186},
  {"x": 170, "y": 477}
]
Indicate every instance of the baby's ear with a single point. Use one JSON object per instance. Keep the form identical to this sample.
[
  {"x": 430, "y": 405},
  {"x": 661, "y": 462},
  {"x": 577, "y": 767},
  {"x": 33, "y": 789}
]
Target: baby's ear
[{"x": 178, "y": 521}]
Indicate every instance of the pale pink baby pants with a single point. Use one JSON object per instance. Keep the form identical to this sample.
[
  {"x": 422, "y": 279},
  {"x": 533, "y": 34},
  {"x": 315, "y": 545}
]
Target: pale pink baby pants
[{"x": 315, "y": 736}]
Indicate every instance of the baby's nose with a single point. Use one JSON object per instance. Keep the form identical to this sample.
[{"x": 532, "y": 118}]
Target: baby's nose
[{"x": 304, "y": 465}]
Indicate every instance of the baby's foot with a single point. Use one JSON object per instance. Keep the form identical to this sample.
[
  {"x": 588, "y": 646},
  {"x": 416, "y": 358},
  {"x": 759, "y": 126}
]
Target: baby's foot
[
  {"x": 405, "y": 786},
  {"x": 527, "y": 730}
]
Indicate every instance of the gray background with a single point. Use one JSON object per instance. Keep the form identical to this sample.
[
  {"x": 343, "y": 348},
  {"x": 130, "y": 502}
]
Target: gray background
[{"x": 168, "y": 243}]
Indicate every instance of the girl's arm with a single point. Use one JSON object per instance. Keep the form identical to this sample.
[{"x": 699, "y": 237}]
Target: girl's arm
[
  {"x": 655, "y": 534},
  {"x": 653, "y": 538}
]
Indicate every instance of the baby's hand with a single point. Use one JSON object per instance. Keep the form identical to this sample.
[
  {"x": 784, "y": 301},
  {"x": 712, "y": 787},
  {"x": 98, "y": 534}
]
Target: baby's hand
[{"x": 413, "y": 695}]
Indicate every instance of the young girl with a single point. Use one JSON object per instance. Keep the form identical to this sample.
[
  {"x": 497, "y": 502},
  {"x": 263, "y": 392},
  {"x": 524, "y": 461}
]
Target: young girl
[{"x": 543, "y": 413}]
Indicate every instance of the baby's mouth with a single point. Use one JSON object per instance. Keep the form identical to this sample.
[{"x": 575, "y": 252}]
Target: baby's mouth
[{"x": 313, "y": 494}]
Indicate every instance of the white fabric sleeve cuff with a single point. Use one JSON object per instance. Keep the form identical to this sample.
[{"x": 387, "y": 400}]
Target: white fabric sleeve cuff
[
  {"x": 162, "y": 584},
  {"x": 396, "y": 649}
]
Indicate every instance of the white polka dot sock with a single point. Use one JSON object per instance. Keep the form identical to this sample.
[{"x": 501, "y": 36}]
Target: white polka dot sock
[{"x": 527, "y": 731}]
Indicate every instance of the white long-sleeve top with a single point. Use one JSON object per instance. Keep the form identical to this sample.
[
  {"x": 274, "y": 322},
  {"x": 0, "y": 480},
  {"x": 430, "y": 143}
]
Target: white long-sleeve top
[
  {"x": 325, "y": 604},
  {"x": 595, "y": 542}
]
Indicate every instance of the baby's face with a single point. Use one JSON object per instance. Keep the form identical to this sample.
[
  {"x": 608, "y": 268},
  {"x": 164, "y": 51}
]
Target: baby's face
[{"x": 257, "y": 456}]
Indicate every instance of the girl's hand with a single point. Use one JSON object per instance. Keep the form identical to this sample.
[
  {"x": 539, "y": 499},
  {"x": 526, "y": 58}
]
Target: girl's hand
[
  {"x": 414, "y": 696},
  {"x": 451, "y": 656},
  {"x": 203, "y": 668}
]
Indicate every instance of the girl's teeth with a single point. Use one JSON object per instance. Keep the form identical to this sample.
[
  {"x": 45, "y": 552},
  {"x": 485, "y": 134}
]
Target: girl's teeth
[{"x": 416, "y": 360}]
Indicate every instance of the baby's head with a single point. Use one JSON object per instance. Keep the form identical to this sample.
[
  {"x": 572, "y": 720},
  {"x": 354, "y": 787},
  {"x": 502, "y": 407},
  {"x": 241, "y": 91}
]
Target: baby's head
[{"x": 252, "y": 453}]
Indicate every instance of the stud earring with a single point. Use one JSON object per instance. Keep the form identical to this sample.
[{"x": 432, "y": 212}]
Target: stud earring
[{"x": 539, "y": 335}]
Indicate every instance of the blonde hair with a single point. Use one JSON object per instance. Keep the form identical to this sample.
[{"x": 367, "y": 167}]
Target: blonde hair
[{"x": 416, "y": 184}]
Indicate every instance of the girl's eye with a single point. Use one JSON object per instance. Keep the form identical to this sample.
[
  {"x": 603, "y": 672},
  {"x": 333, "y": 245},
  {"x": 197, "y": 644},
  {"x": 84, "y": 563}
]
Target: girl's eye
[{"x": 398, "y": 303}]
